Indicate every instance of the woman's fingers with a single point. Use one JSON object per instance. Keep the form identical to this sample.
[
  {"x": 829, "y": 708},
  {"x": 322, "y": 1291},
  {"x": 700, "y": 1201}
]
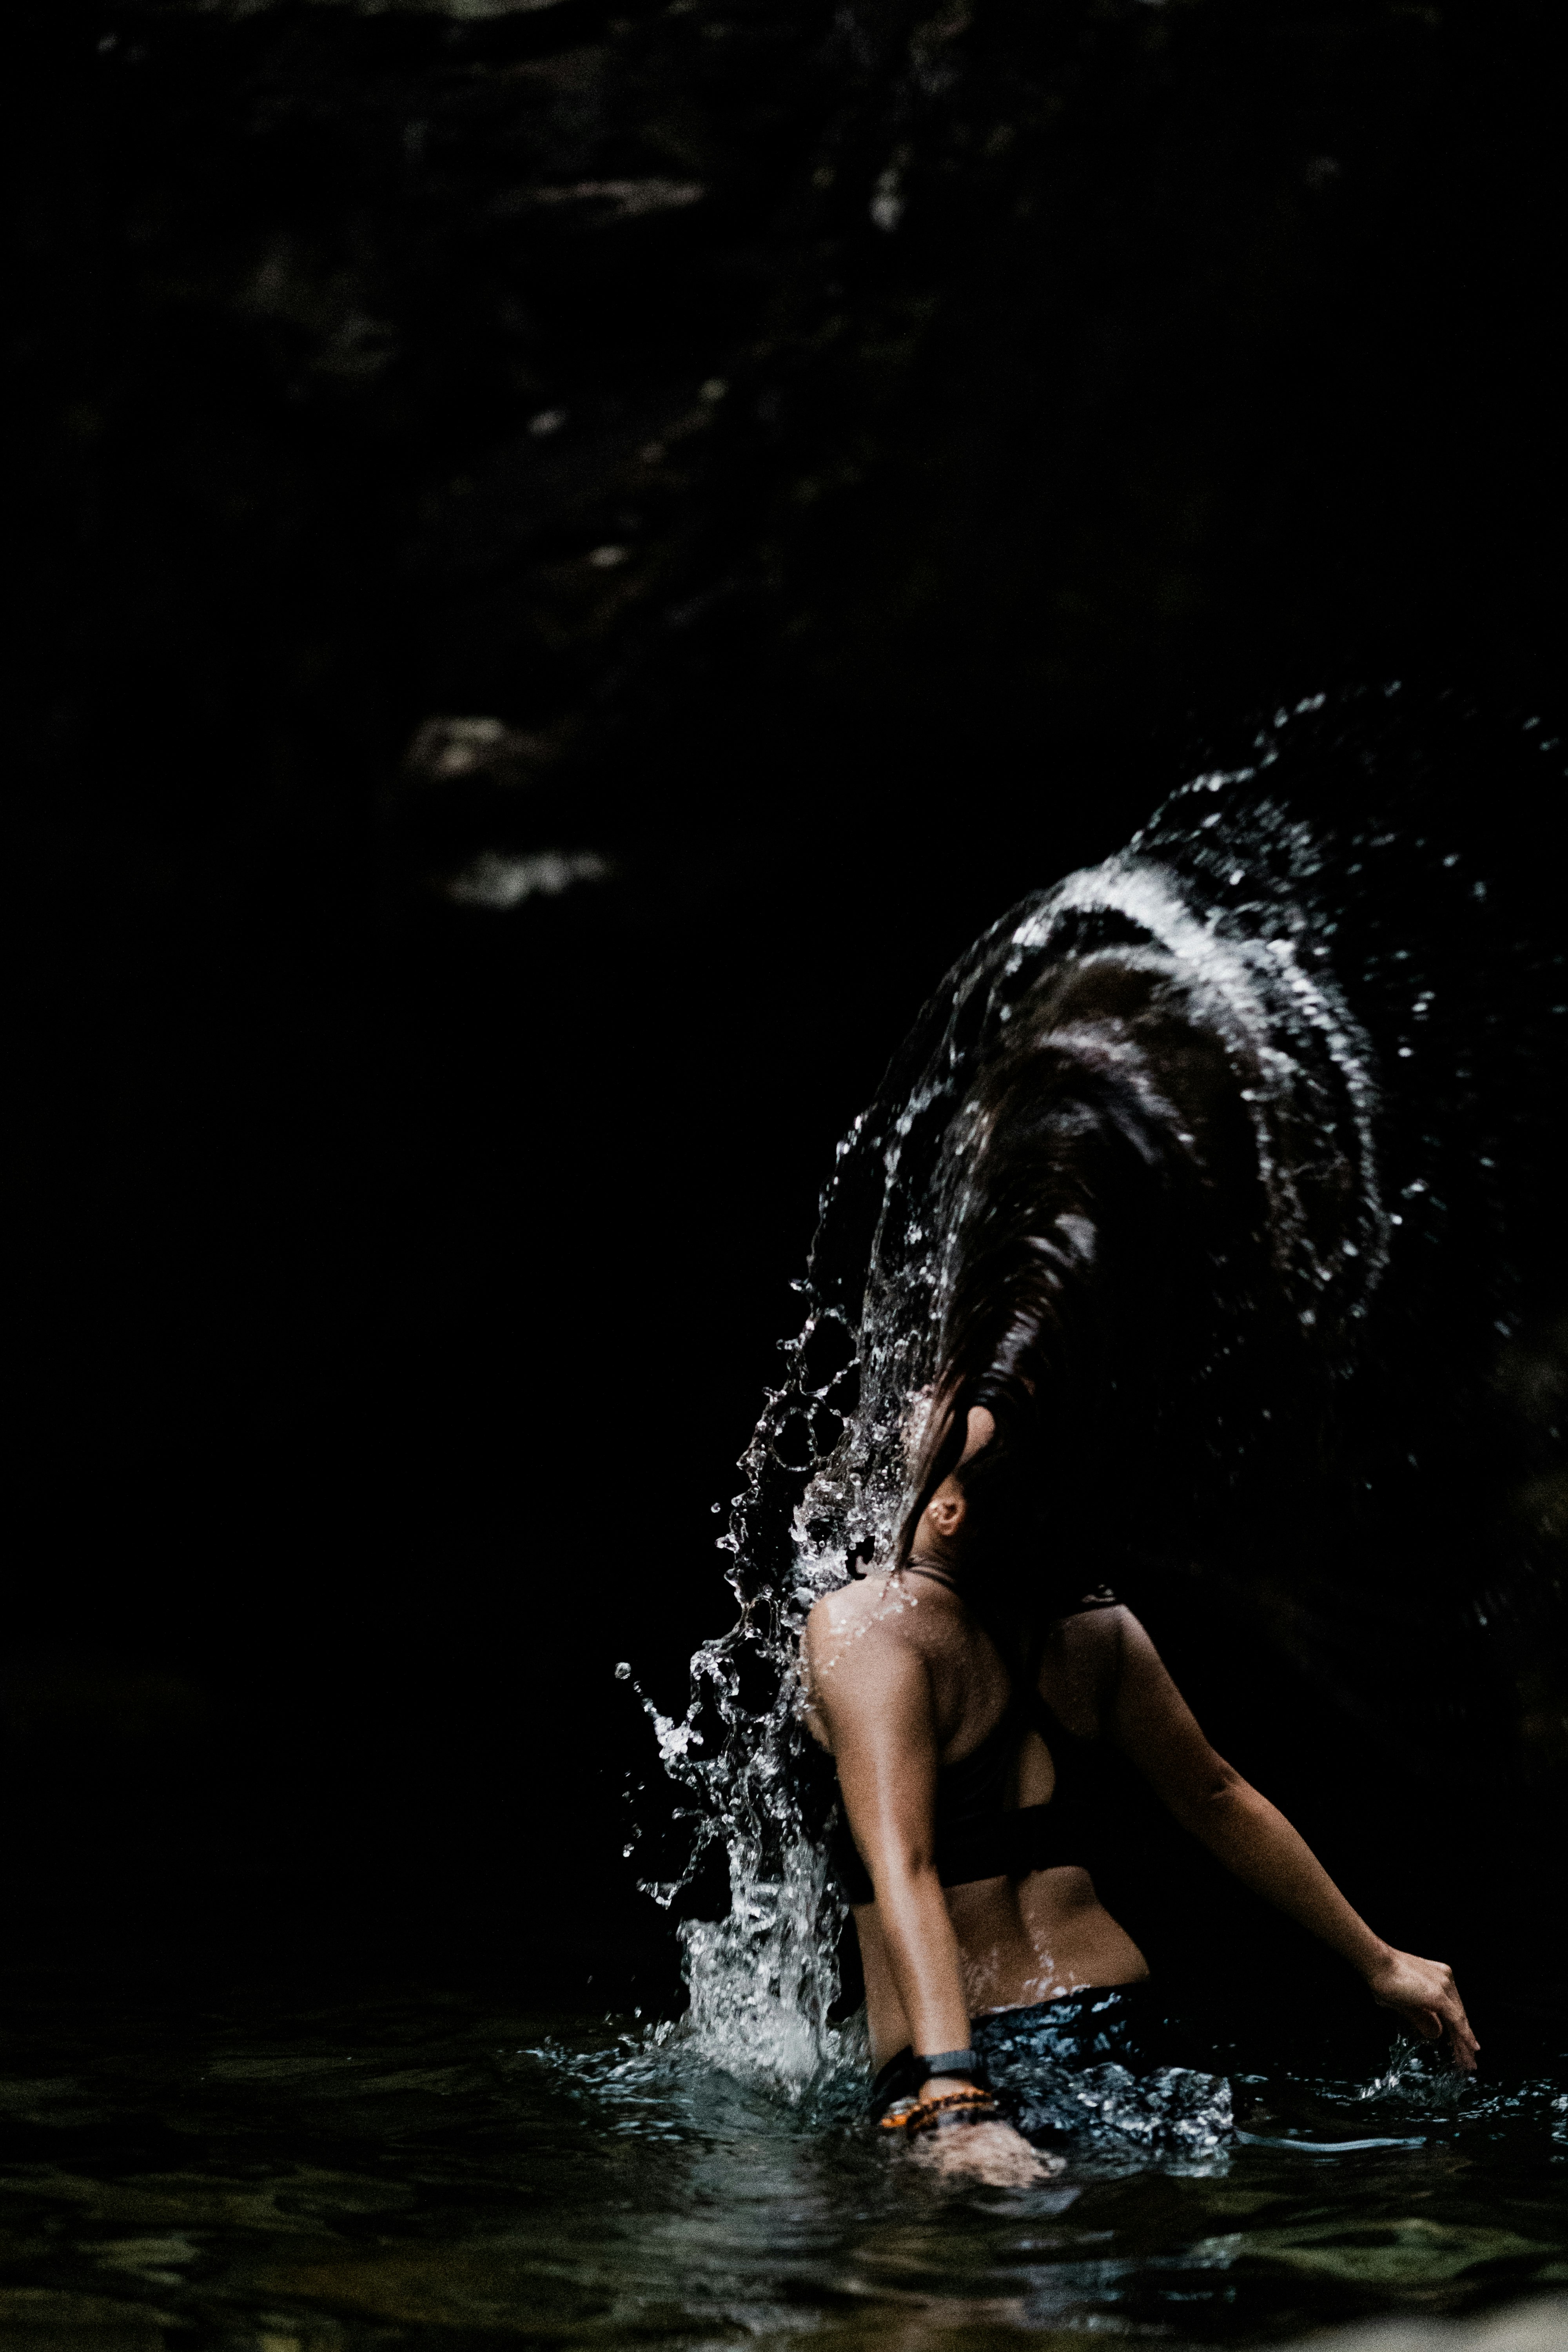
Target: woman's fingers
[
  {"x": 1461, "y": 2040},
  {"x": 993, "y": 2154},
  {"x": 1425, "y": 2021},
  {"x": 1433, "y": 2025},
  {"x": 1424, "y": 1993}
]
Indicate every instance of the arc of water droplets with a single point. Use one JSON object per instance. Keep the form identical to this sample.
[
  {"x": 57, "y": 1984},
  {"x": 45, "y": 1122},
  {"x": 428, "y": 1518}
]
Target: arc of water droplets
[{"x": 763, "y": 1978}]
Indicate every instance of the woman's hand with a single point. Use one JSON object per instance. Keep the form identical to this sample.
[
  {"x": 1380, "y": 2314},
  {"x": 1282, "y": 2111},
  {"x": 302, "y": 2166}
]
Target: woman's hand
[
  {"x": 1423, "y": 1992},
  {"x": 992, "y": 2154}
]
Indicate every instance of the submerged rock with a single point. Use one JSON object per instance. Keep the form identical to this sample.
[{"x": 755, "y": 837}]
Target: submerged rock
[{"x": 1536, "y": 2327}]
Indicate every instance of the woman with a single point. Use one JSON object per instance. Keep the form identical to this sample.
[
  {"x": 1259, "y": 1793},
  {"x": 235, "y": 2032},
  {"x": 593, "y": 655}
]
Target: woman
[{"x": 961, "y": 1700}]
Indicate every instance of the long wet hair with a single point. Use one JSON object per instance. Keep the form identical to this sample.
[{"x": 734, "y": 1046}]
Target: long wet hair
[{"x": 1083, "y": 1275}]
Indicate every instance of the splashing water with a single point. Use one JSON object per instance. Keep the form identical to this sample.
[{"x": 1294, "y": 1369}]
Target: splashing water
[{"x": 1217, "y": 924}]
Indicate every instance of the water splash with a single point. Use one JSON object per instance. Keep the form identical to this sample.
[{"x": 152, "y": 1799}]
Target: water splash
[
  {"x": 1176, "y": 2110},
  {"x": 1412, "y": 2080}
]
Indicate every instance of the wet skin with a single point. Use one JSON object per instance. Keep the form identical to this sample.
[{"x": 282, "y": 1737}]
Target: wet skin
[
  {"x": 1019, "y": 1941},
  {"x": 900, "y": 1680}
]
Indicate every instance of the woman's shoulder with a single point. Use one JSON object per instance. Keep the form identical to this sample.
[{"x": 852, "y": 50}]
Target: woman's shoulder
[
  {"x": 862, "y": 1642},
  {"x": 1090, "y": 1617},
  {"x": 878, "y": 1598},
  {"x": 875, "y": 1610},
  {"x": 847, "y": 1603},
  {"x": 1092, "y": 1640},
  {"x": 1098, "y": 1620}
]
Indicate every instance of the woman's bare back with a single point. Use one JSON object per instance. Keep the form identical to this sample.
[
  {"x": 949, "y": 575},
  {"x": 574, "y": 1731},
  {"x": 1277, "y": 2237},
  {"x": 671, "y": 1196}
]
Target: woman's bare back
[{"x": 1020, "y": 1940}]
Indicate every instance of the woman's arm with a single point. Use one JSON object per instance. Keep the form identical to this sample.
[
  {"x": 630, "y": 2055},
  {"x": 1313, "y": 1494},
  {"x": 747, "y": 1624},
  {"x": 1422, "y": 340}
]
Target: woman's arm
[
  {"x": 1152, "y": 1723},
  {"x": 872, "y": 1690}
]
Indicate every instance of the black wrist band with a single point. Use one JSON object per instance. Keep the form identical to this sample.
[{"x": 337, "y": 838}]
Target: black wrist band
[{"x": 947, "y": 2062}]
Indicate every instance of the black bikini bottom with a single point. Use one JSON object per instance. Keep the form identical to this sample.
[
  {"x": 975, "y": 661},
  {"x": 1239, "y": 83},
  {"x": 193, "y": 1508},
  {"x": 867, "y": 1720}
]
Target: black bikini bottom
[
  {"x": 1099, "y": 2062},
  {"x": 1016, "y": 2047}
]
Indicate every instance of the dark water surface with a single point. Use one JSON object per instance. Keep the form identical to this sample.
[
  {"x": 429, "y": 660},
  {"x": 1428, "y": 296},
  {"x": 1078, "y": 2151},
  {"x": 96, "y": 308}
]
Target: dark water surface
[{"x": 419, "y": 2167}]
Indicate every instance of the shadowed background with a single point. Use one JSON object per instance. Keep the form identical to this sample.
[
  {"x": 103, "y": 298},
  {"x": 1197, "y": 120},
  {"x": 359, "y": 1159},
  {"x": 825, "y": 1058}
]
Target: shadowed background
[{"x": 573, "y": 556}]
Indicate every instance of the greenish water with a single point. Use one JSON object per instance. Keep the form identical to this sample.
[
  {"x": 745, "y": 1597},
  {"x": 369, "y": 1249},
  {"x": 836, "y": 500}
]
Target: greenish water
[{"x": 427, "y": 2170}]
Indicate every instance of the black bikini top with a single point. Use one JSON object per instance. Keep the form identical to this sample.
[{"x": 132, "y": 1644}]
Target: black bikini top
[{"x": 978, "y": 1834}]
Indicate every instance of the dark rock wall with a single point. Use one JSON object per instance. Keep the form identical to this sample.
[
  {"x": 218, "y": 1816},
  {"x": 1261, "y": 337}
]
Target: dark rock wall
[
  {"x": 1027, "y": 372},
  {"x": 847, "y": 457}
]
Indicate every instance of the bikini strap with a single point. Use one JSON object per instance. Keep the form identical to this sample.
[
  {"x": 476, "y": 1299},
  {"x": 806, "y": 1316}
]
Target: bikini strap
[{"x": 937, "y": 1575}]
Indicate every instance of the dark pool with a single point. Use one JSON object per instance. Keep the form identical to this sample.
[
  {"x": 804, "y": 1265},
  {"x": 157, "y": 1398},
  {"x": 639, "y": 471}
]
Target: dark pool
[{"x": 427, "y": 2168}]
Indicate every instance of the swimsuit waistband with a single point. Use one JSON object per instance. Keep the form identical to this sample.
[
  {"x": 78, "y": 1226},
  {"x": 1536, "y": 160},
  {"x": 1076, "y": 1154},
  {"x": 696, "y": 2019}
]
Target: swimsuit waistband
[{"x": 1079, "y": 2029}]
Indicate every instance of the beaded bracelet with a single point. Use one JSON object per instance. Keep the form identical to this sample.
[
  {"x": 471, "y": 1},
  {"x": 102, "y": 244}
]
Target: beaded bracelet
[{"x": 946, "y": 2107}]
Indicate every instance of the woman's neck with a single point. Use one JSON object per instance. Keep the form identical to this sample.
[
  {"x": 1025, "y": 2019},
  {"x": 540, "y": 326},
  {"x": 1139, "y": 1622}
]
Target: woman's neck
[{"x": 938, "y": 1564}]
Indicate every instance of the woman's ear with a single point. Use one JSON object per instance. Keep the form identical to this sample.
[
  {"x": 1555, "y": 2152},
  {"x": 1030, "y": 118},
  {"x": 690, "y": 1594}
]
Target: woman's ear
[{"x": 945, "y": 1509}]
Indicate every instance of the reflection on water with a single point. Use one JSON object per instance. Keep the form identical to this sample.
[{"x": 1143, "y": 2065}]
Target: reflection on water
[{"x": 425, "y": 2169}]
